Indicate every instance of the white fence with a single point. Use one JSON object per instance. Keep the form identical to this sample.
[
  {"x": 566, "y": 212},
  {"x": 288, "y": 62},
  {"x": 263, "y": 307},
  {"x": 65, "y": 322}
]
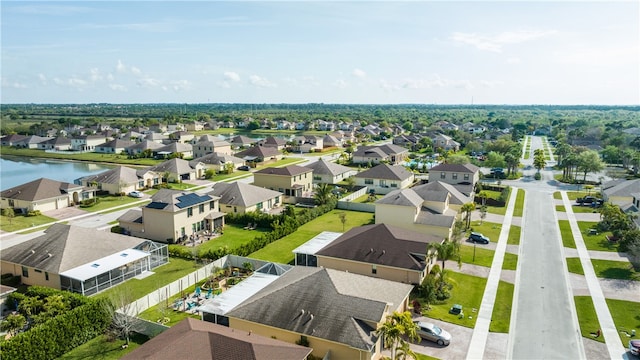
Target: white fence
[{"x": 346, "y": 202}]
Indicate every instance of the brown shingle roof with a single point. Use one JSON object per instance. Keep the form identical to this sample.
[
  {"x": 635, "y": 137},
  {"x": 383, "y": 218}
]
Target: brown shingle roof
[
  {"x": 196, "y": 339},
  {"x": 386, "y": 172},
  {"x": 40, "y": 189}
]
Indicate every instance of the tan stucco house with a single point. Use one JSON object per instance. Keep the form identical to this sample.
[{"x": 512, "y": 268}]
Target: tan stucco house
[
  {"x": 388, "y": 153},
  {"x": 176, "y": 170},
  {"x": 173, "y": 216},
  {"x": 463, "y": 176},
  {"x": 121, "y": 179},
  {"x": 384, "y": 178},
  {"x": 293, "y": 180},
  {"x": 238, "y": 197},
  {"x": 327, "y": 172},
  {"x": 44, "y": 195}
]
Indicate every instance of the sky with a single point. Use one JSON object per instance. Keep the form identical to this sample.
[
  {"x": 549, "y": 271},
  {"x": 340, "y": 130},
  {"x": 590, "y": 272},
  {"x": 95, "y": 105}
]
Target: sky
[{"x": 358, "y": 52}]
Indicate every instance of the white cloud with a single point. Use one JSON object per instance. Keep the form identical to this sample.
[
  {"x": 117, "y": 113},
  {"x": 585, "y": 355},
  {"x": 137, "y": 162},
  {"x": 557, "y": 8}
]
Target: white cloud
[
  {"x": 42, "y": 78},
  {"x": 340, "y": 83},
  {"x": 13, "y": 84},
  {"x": 491, "y": 83},
  {"x": 260, "y": 81},
  {"x": 231, "y": 76},
  {"x": 120, "y": 67},
  {"x": 94, "y": 75},
  {"x": 73, "y": 82},
  {"x": 110, "y": 77},
  {"x": 359, "y": 73},
  {"x": 135, "y": 71},
  {"x": 118, "y": 87},
  {"x": 180, "y": 85},
  {"x": 496, "y": 42},
  {"x": 148, "y": 82},
  {"x": 436, "y": 82}
]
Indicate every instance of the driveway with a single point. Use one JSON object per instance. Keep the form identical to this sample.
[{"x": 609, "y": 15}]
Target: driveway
[
  {"x": 65, "y": 213},
  {"x": 460, "y": 340}
]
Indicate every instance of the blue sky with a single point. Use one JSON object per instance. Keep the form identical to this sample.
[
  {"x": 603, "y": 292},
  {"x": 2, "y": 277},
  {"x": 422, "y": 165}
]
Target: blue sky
[{"x": 427, "y": 52}]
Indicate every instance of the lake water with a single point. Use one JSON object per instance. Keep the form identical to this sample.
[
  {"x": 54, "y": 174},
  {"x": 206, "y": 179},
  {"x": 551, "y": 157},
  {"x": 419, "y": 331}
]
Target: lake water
[{"x": 16, "y": 170}]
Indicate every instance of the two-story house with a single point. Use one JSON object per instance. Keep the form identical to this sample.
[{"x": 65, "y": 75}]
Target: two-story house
[
  {"x": 385, "y": 178},
  {"x": 388, "y": 153},
  {"x": 293, "y": 181},
  {"x": 463, "y": 176},
  {"x": 86, "y": 142}
]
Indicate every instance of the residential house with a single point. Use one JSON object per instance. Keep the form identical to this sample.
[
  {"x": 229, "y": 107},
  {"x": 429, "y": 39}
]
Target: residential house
[
  {"x": 146, "y": 146},
  {"x": 159, "y": 138},
  {"x": 82, "y": 260},
  {"x": 181, "y": 136},
  {"x": 388, "y": 153},
  {"x": 176, "y": 170},
  {"x": 407, "y": 141},
  {"x": 330, "y": 141},
  {"x": 239, "y": 197},
  {"x": 30, "y": 142},
  {"x": 381, "y": 251},
  {"x": 325, "y": 125},
  {"x": 463, "y": 176},
  {"x": 43, "y": 195},
  {"x": 173, "y": 216},
  {"x": 217, "y": 161},
  {"x": 132, "y": 136},
  {"x": 324, "y": 308},
  {"x": 196, "y": 126},
  {"x": 197, "y": 339},
  {"x": 621, "y": 192},
  {"x": 293, "y": 181},
  {"x": 327, "y": 172},
  {"x": 385, "y": 178},
  {"x": 301, "y": 125},
  {"x": 285, "y": 125},
  {"x": 260, "y": 154},
  {"x": 59, "y": 143},
  {"x": 121, "y": 180},
  {"x": 430, "y": 208},
  {"x": 274, "y": 142},
  {"x": 473, "y": 128},
  {"x": 307, "y": 144},
  {"x": 208, "y": 144},
  {"x": 87, "y": 142},
  {"x": 114, "y": 146},
  {"x": 241, "y": 141},
  {"x": 444, "y": 142},
  {"x": 175, "y": 127},
  {"x": 175, "y": 148},
  {"x": 11, "y": 140},
  {"x": 446, "y": 126},
  {"x": 158, "y": 128}
]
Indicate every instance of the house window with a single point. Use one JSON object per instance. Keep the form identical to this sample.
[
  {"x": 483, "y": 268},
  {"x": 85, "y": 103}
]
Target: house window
[
  {"x": 183, "y": 231},
  {"x": 394, "y": 185},
  {"x": 374, "y": 269},
  {"x": 383, "y": 183},
  {"x": 46, "y": 276},
  {"x": 201, "y": 208},
  {"x": 317, "y": 178},
  {"x": 466, "y": 176},
  {"x": 368, "y": 181},
  {"x": 277, "y": 199},
  {"x": 25, "y": 271},
  {"x": 454, "y": 176},
  {"x": 11, "y": 203},
  {"x": 259, "y": 206},
  {"x": 235, "y": 209},
  {"x": 141, "y": 184},
  {"x": 443, "y": 175},
  {"x": 212, "y": 205},
  {"x": 189, "y": 212}
]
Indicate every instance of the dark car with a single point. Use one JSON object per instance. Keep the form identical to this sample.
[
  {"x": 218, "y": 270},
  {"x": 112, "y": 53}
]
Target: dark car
[
  {"x": 244, "y": 168},
  {"x": 589, "y": 200},
  {"x": 478, "y": 238}
]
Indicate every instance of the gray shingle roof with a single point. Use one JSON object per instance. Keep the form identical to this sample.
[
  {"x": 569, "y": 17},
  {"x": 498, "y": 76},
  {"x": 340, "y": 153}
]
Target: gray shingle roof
[
  {"x": 622, "y": 189},
  {"x": 117, "y": 144},
  {"x": 116, "y": 175},
  {"x": 430, "y": 217},
  {"x": 147, "y": 144},
  {"x": 196, "y": 339},
  {"x": 337, "y": 305},
  {"x": 324, "y": 167},
  {"x": 173, "y": 166},
  {"x": 289, "y": 170},
  {"x": 216, "y": 159},
  {"x": 69, "y": 246},
  {"x": 381, "y": 150},
  {"x": 386, "y": 172},
  {"x": 242, "y": 194},
  {"x": 40, "y": 189},
  {"x": 406, "y": 197},
  {"x": 438, "y": 191},
  {"x": 382, "y": 244},
  {"x": 461, "y": 168},
  {"x": 263, "y": 152}
]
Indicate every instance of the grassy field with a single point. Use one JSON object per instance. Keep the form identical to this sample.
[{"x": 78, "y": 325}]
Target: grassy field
[
  {"x": 110, "y": 201},
  {"x": 102, "y": 348},
  {"x": 575, "y": 266},
  {"x": 280, "y": 250},
  {"x": 90, "y": 157},
  {"x": 514, "y": 235},
  {"x": 567, "y": 235},
  {"x": 626, "y": 316},
  {"x": 500, "y": 210},
  {"x": 598, "y": 241},
  {"x": 467, "y": 291},
  {"x": 491, "y": 230},
  {"x": 519, "y": 206},
  {"x": 483, "y": 257},
  {"x": 587, "y": 317},
  {"x": 502, "y": 308},
  {"x": 20, "y": 222},
  {"x": 510, "y": 261},
  {"x": 621, "y": 270},
  {"x": 234, "y": 236}
]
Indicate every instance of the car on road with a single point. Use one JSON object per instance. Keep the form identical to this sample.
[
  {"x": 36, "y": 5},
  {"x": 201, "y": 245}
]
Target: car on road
[
  {"x": 432, "y": 332},
  {"x": 478, "y": 238},
  {"x": 136, "y": 194},
  {"x": 244, "y": 168},
  {"x": 634, "y": 347}
]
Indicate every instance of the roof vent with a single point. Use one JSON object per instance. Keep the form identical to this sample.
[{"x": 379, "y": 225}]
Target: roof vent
[
  {"x": 49, "y": 255},
  {"x": 33, "y": 251},
  {"x": 371, "y": 250}
]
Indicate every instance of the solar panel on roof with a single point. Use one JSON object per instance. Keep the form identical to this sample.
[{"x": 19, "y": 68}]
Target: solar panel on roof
[
  {"x": 157, "y": 205},
  {"x": 191, "y": 199}
]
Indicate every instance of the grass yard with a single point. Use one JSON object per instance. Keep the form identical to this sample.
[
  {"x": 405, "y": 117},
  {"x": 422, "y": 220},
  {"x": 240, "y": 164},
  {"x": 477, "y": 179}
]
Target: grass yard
[
  {"x": 514, "y": 235},
  {"x": 367, "y": 197},
  {"x": 110, "y": 201},
  {"x": 467, "y": 291},
  {"x": 502, "y": 308},
  {"x": 598, "y": 241},
  {"x": 567, "y": 235},
  {"x": 163, "y": 275},
  {"x": 583, "y": 209},
  {"x": 234, "y": 236},
  {"x": 575, "y": 266},
  {"x": 102, "y": 348},
  {"x": 587, "y": 317},
  {"x": 609, "y": 269},
  {"x": 280, "y": 250},
  {"x": 491, "y": 230},
  {"x": 424, "y": 357},
  {"x": 560, "y": 208},
  {"x": 154, "y": 313},
  {"x": 519, "y": 206},
  {"x": 626, "y": 316},
  {"x": 20, "y": 222},
  {"x": 499, "y": 210},
  {"x": 510, "y": 261},
  {"x": 484, "y": 257},
  {"x": 91, "y": 157}
]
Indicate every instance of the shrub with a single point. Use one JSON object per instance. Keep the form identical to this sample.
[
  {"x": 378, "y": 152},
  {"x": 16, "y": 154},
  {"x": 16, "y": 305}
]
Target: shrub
[
  {"x": 537, "y": 176},
  {"x": 33, "y": 213}
]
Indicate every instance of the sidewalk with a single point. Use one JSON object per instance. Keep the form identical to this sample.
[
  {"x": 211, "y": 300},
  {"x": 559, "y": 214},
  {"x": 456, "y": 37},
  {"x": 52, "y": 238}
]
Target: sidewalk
[
  {"x": 614, "y": 345},
  {"x": 481, "y": 331}
]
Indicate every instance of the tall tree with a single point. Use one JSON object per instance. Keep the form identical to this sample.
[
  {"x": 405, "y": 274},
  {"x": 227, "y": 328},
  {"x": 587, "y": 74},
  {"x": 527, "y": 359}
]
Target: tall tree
[
  {"x": 444, "y": 251},
  {"x": 322, "y": 194},
  {"x": 396, "y": 327},
  {"x": 467, "y": 209},
  {"x": 589, "y": 161}
]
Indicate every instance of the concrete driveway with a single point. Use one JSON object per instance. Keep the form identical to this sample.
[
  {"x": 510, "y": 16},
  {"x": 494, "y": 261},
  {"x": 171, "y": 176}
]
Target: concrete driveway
[{"x": 460, "y": 340}]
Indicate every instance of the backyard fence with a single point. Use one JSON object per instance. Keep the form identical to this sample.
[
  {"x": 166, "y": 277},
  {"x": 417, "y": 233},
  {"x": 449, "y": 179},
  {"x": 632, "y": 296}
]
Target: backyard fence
[{"x": 346, "y": 203}]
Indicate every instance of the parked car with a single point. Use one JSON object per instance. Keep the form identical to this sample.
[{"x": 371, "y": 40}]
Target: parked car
[
  {"x": 478, "y": 238},
  {"x": 634, "y": 347},
  {"x": 589, "y": 200},
  {"x": 244, "y": 168},
  {"x": 432, "y": 332},
  {"x": 136, "y": 194}
]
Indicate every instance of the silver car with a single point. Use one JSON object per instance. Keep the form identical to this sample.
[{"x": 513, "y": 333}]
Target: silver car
[{"x": 432, "y": 332}]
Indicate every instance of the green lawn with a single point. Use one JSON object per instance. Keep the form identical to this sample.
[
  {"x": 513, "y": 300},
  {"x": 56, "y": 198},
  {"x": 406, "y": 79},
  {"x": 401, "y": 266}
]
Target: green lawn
[
  {"x": 560, "y": 208},
  {"x": 483, "y": 257},
  {"x": 154, "y": 313},
  {"x": 615, "y": 270},
  {"x": 91, "y": 157},
  {"x": 587, "y": 317},
  {"x": 502, "y": 308},
  {"x": 519, "y": 206},
  {"x": 597, "y": 242},
  {"x": 491, "y": 230},
  {"x": 20, "y": 222},
  {"x": 234, "y": 236},
  {"x": 163, "y": 275},
  {"x": 101, "y": 348},
  {"x": 583, "y": 209},
  {"x": 280, "y": 250},
  {"x": 499, "y": 210},
  {"x": 626, "y": 316},
  {"x": 514, "y": 235},
  {"x": 424, "y": 357},
  {"x": 575, "y": 266},
  {"x": 110, "y": 201},
  {"x": 510, "y": 261},
  {"x": 467, "y": 291},
  {"x": 567, "y": 235}
]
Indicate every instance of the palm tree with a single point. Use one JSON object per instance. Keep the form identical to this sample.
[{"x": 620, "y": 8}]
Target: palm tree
[
  {"x": 397, "y": 326},
  {"x": 467, "y": 209},
  {"x": 444, "y": 251},
  {"x": 322, "y": 194}
]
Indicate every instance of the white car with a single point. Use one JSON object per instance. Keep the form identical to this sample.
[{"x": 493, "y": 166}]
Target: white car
[
  {"x": 136, "y": 194},
  {"x": 432, "y": 332}
]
